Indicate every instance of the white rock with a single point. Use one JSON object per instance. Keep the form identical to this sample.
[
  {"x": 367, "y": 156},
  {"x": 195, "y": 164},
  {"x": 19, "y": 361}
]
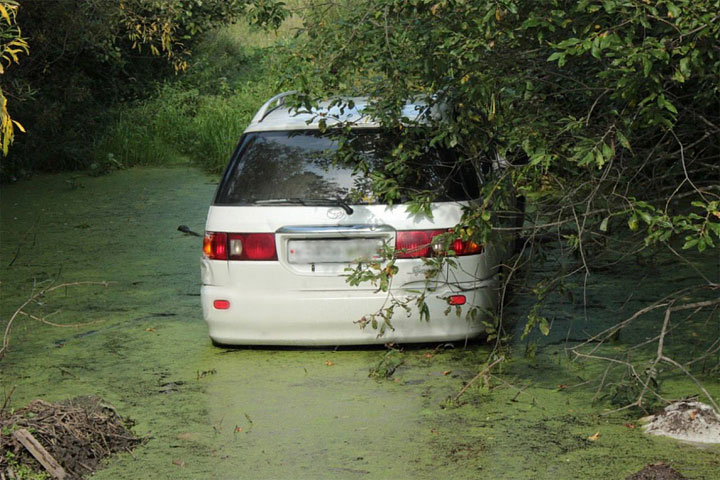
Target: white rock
[{"x": 686, "y": 420}]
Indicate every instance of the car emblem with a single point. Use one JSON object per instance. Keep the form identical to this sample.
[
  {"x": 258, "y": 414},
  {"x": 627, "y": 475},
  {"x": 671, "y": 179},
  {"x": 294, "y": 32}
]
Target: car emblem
[{"x": 335, "y": 213}]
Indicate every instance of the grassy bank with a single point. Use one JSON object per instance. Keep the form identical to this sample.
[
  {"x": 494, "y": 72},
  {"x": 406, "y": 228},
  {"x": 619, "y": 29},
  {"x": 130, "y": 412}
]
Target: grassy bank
[{"x": 199, "y": 116}]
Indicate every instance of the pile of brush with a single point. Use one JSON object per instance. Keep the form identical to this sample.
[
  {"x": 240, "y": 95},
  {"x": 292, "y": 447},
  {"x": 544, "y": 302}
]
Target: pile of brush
[{"x": 66, "y": 439}]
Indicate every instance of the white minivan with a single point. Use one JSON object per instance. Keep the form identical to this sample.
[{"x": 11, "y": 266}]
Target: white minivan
[{"x": 289, "y": 222}]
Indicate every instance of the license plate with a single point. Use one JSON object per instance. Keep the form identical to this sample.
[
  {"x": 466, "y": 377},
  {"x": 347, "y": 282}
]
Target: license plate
[{"x": 336, "y": 250}]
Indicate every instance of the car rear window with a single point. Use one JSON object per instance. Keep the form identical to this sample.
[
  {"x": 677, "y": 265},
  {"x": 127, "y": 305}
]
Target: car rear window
[{"x": 306, "y": 165}]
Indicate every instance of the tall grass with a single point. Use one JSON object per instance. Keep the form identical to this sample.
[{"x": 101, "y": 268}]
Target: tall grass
[{"x": 199, "y": 116}]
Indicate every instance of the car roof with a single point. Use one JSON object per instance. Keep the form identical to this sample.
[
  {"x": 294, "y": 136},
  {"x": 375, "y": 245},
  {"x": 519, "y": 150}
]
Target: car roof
[{"x": 275, "y": 115}]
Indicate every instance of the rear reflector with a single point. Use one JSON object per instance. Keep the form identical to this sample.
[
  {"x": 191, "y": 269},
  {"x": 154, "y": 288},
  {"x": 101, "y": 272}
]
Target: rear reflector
[
  {"x": 419, "y": 244},
  {"x": 221, "y": 304},
  {"x": 456, "y": 300}
]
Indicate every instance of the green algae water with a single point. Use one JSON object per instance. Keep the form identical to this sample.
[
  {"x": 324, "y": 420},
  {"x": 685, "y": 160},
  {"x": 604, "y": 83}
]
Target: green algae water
[{"x": 260, "y": 413}]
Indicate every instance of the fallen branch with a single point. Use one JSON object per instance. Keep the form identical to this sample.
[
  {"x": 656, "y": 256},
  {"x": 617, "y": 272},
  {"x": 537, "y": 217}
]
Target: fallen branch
[
  {"x": 482, "y": 373},
  {"x": 33, "y": 297},
  {"x": 40, "y": 454},
  {"x": 646, "y": 380},
  {"x": 7, "y": 399}
]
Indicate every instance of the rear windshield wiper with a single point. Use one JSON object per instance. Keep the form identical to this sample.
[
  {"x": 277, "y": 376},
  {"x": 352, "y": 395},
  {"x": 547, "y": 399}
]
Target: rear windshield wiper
[
  {"x": 307, "y": 202},
  {"x": 332, "y": 201}
]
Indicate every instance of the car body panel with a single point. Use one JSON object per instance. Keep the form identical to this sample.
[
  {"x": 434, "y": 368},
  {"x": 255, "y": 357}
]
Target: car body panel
[{"x": 300, "y": 300}]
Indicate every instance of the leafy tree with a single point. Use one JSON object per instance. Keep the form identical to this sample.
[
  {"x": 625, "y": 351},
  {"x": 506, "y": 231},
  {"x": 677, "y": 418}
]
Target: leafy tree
[
  {"x": 585, "y": 90},
  {"x": 11, "y": 44},
  {"x": 608, "y": 112},
  {"x": 90, "y": 54}
]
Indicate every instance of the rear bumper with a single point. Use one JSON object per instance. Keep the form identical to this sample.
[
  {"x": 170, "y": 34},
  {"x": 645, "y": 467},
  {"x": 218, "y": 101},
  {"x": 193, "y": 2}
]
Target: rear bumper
[{"x": 328, "y": 317}]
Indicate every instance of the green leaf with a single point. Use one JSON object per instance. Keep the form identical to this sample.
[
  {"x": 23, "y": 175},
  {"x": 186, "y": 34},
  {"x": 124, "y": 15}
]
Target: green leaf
[
  {"x": 709, "y": 240},
  {"x": 609, "y": 5},
  {"x": 623, "y": 140},
  {"x": 673, "y": 10},
  {"x": 599, "y": 158},
  {"x": 647, "y": 218},
  {"x": 588, "y": 158},
  {"x": 647, "y": 65},
  {"x": 607, "y": 151},
  {"x": 678, "y": 76},
  {"x": 544, "y": 326},
  {"x": 690, "y": 243},
  {"x": 633, "y": 222},
  {"x": 685, "y": 66},
  {"x": 555, "y": 56},
  {"x": 604, "y": 224},
  {"x": 569, "y": 42},
  {"x": 666, "y": 104}
]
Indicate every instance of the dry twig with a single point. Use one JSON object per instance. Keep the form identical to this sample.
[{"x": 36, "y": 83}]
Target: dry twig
[
  {"x": 33, "y": 298},
  {"x": 646, "y": 379},
  {"x": 482, "y": 373}
]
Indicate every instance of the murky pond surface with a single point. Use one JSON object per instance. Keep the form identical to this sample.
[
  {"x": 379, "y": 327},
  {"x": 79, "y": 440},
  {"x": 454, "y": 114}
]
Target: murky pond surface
[{"x": 281, "y": 413}]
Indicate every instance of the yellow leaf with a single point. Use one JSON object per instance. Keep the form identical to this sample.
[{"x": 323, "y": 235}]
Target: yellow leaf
[
  {"x": 329, "y": 363},
  {"x": 498, "y": 15},
  {"x": 592, "y": 438},
  {"x": 20, "y": 127},
  {"x": 5, "y": 15}
]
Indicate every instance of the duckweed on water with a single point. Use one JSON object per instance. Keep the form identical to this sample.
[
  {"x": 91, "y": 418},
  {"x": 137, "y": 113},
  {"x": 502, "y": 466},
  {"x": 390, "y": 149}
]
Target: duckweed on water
[{"x": 282, "y": 413}]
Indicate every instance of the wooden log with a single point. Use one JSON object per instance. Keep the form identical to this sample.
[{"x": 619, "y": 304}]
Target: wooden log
[{"x": 40, "y": 454}]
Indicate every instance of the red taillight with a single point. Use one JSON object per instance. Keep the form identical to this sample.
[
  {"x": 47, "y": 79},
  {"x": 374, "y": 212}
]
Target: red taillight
[
  {"x": 419, "y": 244},
  {"x": 239, "y": 246},
  {"x": 215, "y": 245},
  {"x": 415, "y": 243},
  {"x": 252, "y": 246},
  {"x": 457, "y": 299},
  {"x": 466, "y": 248},
  {"x": 221, "y": 304}
]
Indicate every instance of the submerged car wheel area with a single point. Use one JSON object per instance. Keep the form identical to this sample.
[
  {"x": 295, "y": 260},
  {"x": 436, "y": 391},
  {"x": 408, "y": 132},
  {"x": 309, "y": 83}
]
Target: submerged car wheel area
[{"x": 288, "y": 222}]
